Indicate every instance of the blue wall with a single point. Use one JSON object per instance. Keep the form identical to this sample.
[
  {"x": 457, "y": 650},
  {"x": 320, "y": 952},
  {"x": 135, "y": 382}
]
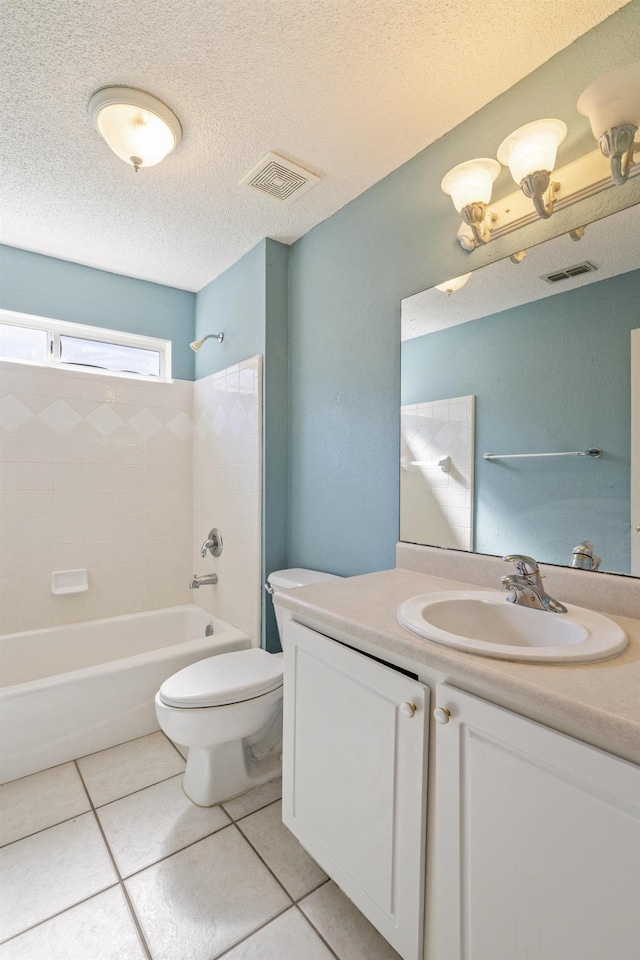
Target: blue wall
[
  {"x": 234, "y": 304},
  {"x": 61, "y": 290},
  {"x": 346, "y": 280},
  {"x": 565, "y": 387}
]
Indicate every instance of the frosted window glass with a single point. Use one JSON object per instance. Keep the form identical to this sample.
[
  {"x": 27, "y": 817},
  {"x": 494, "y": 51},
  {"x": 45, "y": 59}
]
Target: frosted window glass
[
  {"x": 23, "y": 343},
  {"x": 109, "y": 356}
]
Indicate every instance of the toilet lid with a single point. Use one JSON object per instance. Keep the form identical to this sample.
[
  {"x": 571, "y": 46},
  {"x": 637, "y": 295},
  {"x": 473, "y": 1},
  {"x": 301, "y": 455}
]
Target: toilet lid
[{"x": 227, "y": 678}]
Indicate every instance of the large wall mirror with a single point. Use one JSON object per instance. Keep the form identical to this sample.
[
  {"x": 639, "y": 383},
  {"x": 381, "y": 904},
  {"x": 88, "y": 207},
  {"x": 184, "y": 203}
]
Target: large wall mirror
[{"x": 530, "y": 361}]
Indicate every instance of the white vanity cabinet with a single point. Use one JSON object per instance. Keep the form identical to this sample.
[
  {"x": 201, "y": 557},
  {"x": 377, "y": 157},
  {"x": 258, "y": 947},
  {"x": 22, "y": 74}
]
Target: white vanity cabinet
[
  {"x": 537, "y": 840},
  {"x": 354, "y": 778}
]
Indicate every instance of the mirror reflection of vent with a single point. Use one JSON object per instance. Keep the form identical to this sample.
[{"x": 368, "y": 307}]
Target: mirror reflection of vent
[
  {"x": 280, "y": 179},
  {"x": 575, "y": 271}
]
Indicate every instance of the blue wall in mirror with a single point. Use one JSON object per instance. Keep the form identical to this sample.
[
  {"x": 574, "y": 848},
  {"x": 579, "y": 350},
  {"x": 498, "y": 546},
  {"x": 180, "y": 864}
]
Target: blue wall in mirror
[{"x": 551, "y": 375}]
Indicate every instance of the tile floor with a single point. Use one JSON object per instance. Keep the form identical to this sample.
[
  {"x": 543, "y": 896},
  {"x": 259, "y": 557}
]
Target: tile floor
[{"x": 105, "y": 858}]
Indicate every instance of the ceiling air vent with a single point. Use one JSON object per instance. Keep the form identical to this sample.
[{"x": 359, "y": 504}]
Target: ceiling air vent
[
  {"x": 280, "y": 179},
  {"x": 575, "y": 271}
]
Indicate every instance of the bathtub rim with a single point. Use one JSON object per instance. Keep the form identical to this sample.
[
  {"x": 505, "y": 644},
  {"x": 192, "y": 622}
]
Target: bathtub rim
[{"x": 157, "y": 654}]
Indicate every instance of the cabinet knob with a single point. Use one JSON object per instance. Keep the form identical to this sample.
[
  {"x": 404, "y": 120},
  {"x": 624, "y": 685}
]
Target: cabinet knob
[
  {"x": 408, "y": 709},
  {"x": 441, "y": 714}
]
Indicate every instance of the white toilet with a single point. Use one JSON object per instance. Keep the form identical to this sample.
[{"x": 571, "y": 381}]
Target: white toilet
[{"x": 228, "y": 711}]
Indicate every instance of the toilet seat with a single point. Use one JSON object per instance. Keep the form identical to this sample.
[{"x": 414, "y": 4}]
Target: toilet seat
[{"x": 224, "y": 679}]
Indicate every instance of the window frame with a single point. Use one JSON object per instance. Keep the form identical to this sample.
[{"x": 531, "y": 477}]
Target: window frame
[{"x": 57, "y": 328}]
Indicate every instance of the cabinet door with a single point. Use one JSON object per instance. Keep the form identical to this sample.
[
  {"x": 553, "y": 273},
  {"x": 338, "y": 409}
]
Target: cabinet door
[
  {"x": 537, "y": 840},
  {"x": 354, "y": 778}
]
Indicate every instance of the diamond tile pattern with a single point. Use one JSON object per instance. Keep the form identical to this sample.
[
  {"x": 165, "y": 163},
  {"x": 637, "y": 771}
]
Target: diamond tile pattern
[
  {"x": 60, "y": 417},
  {"x": 92, "y": 475},
  {"x": 145, "y": 423},
  {"x": 105, "y": 420},
  {"x": 13, "y": 413}
]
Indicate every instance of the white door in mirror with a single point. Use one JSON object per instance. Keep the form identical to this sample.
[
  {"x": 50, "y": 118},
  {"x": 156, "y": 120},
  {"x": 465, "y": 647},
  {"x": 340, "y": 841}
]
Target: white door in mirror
[{"x": 483, "y": 622}]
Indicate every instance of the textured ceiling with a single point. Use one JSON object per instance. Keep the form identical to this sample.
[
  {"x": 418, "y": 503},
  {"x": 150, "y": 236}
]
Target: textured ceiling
[{"x": 350, "y": 90}]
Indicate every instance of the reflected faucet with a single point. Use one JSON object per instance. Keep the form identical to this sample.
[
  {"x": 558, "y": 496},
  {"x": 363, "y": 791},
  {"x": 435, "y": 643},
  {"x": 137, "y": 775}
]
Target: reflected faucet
[
  {"x": 584, "y": 557},
  {"x": 203, "y": 581},
  {"x": 526, "y": 586}
]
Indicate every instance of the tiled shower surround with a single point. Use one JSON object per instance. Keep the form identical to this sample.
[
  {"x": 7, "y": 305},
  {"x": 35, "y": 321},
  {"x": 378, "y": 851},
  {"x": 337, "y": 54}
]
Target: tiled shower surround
[
  {"x": 97, "y": 471},
  {"x": 227, "y": 480},
  {"x": 436, "y": 502}
]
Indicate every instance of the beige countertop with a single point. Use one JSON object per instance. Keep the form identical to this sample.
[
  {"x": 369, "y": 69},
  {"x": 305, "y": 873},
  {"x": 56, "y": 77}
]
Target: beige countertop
[{"x": 596, "y": 702}]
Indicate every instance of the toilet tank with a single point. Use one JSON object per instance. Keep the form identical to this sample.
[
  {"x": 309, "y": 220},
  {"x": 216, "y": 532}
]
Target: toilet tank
[{"x": 295, "y": 577}]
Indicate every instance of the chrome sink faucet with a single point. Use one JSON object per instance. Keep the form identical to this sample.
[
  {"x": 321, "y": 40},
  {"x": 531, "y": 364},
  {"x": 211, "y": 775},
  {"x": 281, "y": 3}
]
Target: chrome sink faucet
[
  {"x": 202, "y": 581},
  {"x": 526, "y": 585},
  {"x": 583, "y": 556}
]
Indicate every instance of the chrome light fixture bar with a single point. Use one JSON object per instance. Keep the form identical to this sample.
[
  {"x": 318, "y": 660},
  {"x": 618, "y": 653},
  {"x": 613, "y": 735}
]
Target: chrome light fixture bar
[
  {"x": 612, "y": 105},
  {"x": 582, "y": 178}
]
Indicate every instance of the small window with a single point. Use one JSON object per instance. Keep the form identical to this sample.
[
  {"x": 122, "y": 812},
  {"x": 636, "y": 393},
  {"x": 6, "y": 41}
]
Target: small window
[
  {"x": 22, "y": 343},
  {"x": 41, "y": 341},
  {"x": 109, "y": 356}
]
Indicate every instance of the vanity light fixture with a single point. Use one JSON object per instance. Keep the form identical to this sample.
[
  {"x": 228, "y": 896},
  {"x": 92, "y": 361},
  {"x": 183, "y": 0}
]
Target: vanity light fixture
[
  {"x": 139, "y": 128},
  {"x": 469, "y": 185},
  {"x": 450, "y": 286},
  {"x": 530, "y": 153},
  {"x": 195, "y": 346},
  {"x": 612, "y": 105}
]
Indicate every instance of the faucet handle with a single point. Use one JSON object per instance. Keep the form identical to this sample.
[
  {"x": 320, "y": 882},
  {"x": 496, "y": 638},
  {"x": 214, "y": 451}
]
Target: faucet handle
[{"x": 526, "y": 566}]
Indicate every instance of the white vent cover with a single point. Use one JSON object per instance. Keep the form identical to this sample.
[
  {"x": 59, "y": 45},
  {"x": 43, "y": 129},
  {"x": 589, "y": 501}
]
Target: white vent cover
[
  {"x": 280, "y": 179},
  {"x": 575, "y": 271}
]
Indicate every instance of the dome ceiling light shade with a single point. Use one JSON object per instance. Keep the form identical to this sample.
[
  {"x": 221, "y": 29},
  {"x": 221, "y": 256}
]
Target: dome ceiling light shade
[
  {"x": 470, "y": 185},
  {"x": 139, "y": 128},
  {"x": 530, "y": 153},
  {"x": 612, "y": 104}
]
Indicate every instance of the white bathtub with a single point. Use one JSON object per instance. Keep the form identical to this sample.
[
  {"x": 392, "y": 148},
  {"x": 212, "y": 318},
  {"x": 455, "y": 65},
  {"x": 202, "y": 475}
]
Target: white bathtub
[{"x": 72, "y": 690}]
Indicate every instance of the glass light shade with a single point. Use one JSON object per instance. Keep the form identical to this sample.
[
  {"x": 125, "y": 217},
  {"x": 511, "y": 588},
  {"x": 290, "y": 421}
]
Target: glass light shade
[
  {"x": 470, "y": 182},
  {"x": 532, "y": 148},
  {"x": 135, "y": 124},
  {"x": 613, "y": 100},
  {"x": 450, "y": 286}
]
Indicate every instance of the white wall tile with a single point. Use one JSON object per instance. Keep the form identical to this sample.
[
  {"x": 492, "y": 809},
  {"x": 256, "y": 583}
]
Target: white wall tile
[
  {"x": 110, "y": 474},
  {"x": 72, "y": 458}
]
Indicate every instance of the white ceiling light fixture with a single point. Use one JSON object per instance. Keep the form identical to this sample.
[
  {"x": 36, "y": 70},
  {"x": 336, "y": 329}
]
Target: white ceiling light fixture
[
  {"x": 456, "y": 283},
  {"x": 612, "y": 105},
  {"x": 139, "y": 128},
  {"x": 469, "y": 185},
  {"x": 530, "y": 153}
]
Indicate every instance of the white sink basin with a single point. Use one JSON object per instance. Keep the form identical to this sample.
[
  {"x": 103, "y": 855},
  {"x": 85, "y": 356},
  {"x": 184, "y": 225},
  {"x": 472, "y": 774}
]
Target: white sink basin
[{"x": 485, "y": 623}]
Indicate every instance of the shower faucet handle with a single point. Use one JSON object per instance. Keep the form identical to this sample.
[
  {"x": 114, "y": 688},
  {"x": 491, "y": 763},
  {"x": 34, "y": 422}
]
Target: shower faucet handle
[{"x": 213, "y": 544}]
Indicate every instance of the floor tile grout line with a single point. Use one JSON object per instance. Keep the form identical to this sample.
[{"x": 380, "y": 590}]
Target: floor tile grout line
[
  {"x": 244, "y": 816},
  {"x": 315, "y": 929},
  {"x": 112, "y": 886},
  {"x": 260, "y": 857},
  {"x": 121, "y": 884},
  {"x": 92, "y": 806},
  {"x": 85, "y": 755},
  {"x": 232, "y": 946},
  {"x": 168, "y": 856},
  {"x": 58, "y": 823}
]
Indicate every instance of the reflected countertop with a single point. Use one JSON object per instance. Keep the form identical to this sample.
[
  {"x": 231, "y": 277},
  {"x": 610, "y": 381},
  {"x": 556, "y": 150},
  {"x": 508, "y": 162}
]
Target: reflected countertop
[{"x": 597, "y": 702}]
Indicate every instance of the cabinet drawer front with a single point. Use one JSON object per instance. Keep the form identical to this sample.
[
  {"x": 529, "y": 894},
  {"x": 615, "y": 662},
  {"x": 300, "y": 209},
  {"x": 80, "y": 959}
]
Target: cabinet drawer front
[
  {"x": 537, "y": 840},
  {"x": 354, "y": 778}
]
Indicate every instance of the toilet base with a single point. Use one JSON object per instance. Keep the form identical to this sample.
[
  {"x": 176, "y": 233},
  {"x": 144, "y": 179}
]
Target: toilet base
[{"x": 215, "y": 774}]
